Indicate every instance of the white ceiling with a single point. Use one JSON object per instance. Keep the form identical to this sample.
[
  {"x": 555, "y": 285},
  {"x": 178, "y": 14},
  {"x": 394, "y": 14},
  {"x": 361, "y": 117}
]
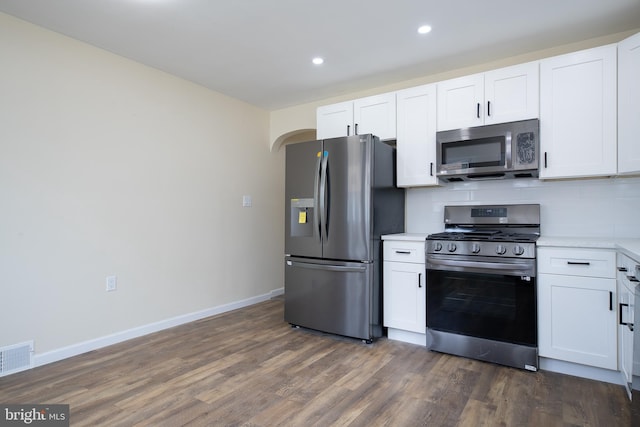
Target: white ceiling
[{"x": 260, "y": 51}]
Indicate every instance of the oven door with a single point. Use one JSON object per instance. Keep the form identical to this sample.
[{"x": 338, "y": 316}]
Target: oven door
[{"x": 484, "y": 297}]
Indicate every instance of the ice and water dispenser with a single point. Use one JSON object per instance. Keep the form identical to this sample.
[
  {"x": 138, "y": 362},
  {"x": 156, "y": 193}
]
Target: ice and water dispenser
[{"x": 302, "y": 211}]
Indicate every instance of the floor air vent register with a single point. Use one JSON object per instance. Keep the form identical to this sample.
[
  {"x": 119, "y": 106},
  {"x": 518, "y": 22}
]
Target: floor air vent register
[{"x": 16, "y": 358}]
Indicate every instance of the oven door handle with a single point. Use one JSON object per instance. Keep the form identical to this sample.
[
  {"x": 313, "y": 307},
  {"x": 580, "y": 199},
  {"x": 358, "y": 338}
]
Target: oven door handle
[{"x": 502, "y": 267}]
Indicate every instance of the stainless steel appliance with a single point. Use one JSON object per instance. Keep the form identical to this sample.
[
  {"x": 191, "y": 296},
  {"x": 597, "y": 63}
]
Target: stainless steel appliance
[
  {"x": 505, "y": 150},
  {"x": 481, "y": 284},
  {"x": 340, "y": 198}
]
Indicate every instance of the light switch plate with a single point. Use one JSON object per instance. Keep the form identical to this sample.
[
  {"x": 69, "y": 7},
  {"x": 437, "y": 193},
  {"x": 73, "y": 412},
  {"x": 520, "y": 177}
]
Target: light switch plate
[
  {"x": 246, "y": 201},
  {"x": 112, "y": 283}
]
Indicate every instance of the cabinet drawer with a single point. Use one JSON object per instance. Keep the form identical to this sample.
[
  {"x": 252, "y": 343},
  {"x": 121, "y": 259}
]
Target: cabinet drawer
[
  {"x": 403, "y": 251},
  {"x": 577, "y": 262}
]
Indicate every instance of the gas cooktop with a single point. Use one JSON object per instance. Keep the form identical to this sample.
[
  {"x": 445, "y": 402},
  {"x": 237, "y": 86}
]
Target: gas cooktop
[
  {"x": 502, "y": 236},
  {"x": 508, "y": 231}
]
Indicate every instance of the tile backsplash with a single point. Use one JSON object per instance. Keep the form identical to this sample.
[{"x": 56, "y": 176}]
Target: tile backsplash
[{"x": 608, "y": 207}]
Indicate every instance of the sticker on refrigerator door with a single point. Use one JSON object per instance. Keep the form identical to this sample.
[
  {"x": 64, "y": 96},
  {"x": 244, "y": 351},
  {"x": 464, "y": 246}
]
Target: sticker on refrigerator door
[{"x": 326, "y": 153}]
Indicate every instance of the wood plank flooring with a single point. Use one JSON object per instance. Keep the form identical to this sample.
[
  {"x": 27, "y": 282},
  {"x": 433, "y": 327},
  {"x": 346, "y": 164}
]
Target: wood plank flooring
[{"x": 249, "y": 368}]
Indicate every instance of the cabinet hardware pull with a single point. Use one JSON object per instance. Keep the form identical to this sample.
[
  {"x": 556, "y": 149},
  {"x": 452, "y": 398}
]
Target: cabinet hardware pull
[
  {"x": 431, "y": 169},
  {"x": 622, "y": 269},
  {"x": 403, "y": 252},
  {"x": 356, "y": 129},
  {"x": 488, "y": 108},
  {"x": 545, "y": 159},
  {"x": 620, "y": 305},
  {"x": 633, "y": 279},
  {"x": 419, "y": 280},
  {"x": 610, "y": 301},
  {"x": 348, "y": 129},
  {"x": 578, "y": 263},
  {"x": 478, "y": 109}
]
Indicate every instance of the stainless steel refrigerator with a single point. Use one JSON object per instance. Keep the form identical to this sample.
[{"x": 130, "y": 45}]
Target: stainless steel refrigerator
[{"x": 340, "y": 198}]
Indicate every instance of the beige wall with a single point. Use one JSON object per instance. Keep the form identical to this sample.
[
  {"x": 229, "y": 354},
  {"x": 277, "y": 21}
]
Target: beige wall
[
  {"x": 108, "y": 167},
  {"x": 288, "y": 120}
]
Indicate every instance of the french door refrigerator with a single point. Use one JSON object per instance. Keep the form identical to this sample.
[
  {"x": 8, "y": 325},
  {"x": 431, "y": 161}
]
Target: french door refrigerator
[{"x": 340, "y": 198}]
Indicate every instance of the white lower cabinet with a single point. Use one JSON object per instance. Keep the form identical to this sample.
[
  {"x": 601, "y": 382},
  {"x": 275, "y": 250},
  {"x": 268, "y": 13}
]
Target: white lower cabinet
[
  {"x": 404, "y": 292},
  {"x": 626, "y": 296},
  {"x": 577, "y": 308}
]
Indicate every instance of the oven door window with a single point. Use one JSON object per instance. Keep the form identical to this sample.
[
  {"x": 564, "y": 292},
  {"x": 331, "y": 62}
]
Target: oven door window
[
  {"x": 475, "y": 153},
  {"x": 491, "y": 306}
]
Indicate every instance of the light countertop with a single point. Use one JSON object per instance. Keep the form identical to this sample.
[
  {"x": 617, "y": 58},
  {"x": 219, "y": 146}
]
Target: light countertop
[
  {"x": 411, "y": 237},
  {"x": 629, "y": 247}
]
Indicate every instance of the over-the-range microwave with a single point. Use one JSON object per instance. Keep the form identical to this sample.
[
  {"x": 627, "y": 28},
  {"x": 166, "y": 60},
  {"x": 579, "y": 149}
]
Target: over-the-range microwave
[{"x": 504, "y": 150}]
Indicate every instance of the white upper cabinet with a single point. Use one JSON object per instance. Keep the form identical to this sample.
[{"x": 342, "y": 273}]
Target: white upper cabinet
[
  {"x": 498, "y": 96},
  {"x": 460, "y": 101},
  {"x": 629, "y": 105},
  {"x": 374, "y": 114},
  {"x": 334, "y": 120},
  {"x": 512, "y": 93},
  {"x": 578, "y": 114},
  {"x": 416, "y": 136}
]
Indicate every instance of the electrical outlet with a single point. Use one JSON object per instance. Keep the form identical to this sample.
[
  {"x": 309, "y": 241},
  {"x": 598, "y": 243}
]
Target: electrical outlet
[{"x": 112, "y": 283}]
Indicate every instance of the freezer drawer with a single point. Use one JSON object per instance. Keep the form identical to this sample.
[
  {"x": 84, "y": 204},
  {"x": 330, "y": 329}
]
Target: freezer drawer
[{"x": 330, "y": 296}]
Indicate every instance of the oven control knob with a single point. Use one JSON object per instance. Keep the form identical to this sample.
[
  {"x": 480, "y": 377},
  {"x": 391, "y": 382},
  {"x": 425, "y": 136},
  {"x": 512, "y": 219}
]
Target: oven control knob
[
  {"x": 475, "y": 248},
  {"x": 437, "y": 246},
  {"x": 452, "y": 247},
  {"x": 518, "y": 250},
  {"x": 501, "y": 249}
]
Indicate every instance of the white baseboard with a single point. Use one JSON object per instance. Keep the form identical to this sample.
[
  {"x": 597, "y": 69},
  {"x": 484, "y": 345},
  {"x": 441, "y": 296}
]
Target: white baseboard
[
  {"x": 94, "y": 344},
  {"x": 407, "y": 336},
  {"x": 577, "y": 370}
]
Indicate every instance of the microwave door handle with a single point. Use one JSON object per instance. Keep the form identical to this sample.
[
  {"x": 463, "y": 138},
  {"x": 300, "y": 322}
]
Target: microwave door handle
[{"x": 508, "y": 141}]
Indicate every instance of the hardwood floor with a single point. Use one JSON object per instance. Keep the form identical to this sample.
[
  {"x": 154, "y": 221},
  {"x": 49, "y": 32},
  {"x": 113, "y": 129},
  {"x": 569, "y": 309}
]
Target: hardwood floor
[{"x": 249, "y": 368}]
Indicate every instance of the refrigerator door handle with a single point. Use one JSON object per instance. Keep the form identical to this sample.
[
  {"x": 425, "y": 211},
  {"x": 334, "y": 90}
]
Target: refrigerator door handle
[
  {"x": 316, "y": 198},
  {"x": 324, "y": 217},
  {"x": 326, "y": 267}
]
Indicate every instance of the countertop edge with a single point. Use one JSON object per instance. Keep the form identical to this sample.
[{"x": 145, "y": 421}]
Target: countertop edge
[
  {"x": 629, "y": 247},
  {"x": 413, "y": 237}
]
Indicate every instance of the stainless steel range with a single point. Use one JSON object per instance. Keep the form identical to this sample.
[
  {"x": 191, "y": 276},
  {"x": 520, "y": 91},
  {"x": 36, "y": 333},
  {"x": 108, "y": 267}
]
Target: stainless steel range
[{"x": 481, "y": 284}]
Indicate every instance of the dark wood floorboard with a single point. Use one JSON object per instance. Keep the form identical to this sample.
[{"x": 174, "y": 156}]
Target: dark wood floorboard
[{"x": 249, "y": 368}]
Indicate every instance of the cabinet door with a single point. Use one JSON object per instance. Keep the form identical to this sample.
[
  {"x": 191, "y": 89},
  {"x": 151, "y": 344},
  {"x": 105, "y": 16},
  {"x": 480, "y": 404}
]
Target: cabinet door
[
  {"x": 334, "y": 120},
  {"x": 577, "y": 320},
  {"x": 376, "y": 115},
  {"x": 578, "y": 124},
  {"x": 628, "y": 105},
  {"x": 460, "y": 102},
  {"x": 404, "y": 296},
  {"x": 416, "y": 139},
  {"x": 625, "y": 306},
  {"x": 512, "y": 93}
]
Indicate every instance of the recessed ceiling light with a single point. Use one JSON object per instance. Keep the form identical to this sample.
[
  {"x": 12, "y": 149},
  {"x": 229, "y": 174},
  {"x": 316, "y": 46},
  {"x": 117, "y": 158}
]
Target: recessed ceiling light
[
  {"x": 317, "y": 60},
  {"x": 424, "y": 29}
]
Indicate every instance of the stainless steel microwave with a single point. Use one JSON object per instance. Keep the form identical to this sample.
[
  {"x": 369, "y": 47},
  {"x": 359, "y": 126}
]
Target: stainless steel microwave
[{"x": 504, "y": 150}]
